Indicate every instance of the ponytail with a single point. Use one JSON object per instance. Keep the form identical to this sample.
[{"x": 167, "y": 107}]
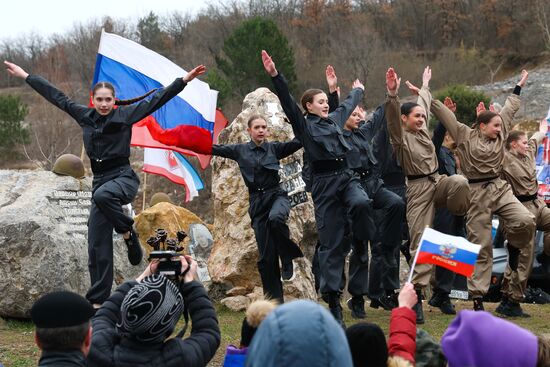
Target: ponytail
[{"x": 125, "y": 102}]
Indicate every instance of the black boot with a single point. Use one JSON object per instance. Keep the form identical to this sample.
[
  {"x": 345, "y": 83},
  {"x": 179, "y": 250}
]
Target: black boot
[
  {"x": 478, "y": 304},
  {"x": 387, "y": 302},
  {"x": 135, "y": 254},
  {"x": 510, "y": 308},
  {"x": 287, "y": 270},
  {"x": 418, "y": 308},
  {"x": 357, "y": 306},
  {"x": 544, "y": 260},
  {"x": 336, "y": 308},
  {"x": 443, "y": 302}
]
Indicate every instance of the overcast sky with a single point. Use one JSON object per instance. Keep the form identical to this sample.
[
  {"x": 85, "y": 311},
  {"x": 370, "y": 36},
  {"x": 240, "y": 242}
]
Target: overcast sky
[{"x": 45, "y": 17}]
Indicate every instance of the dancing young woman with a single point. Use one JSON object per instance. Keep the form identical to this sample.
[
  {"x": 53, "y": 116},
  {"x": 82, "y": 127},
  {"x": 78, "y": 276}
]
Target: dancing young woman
[
  {"x": 481, "y": 150},
  {"x": 426, "y": 188},
  {"x": 336, "y": 190},
  {"x": 269, "y": 207},
  {"x": 107, "y": 132}
]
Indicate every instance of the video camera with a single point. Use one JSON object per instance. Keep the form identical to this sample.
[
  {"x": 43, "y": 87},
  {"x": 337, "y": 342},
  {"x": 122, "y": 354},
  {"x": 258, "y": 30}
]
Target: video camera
[{"x": 166, "y": 250}]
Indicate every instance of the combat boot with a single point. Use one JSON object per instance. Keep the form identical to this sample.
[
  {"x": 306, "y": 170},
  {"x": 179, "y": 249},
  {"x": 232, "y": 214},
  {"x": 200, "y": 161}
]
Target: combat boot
[
  {"x": 135, "y": 254},
  {"x": 418, "y": 308},
  {"x": 478, "y": 304},
  {"x": 287, "y": 271},
  {"x": 357, "y": 306},
  {"x": 443, "y": 302},
  {"x": 510, "y": 308},
  {"x": 335, "y": 308}
]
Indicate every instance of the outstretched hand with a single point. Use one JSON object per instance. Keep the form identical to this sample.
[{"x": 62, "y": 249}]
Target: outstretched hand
[
  {"x": 392, "y": 82},
  {"x": 450, "y": 104},
  {"x": 332, "y": 80},
  {"x": 480, "y": 108},
  {"x": 426, "y": 76},
  {"x": 199, "y": 70},
  {"x": 524, "y": 77},
  {"x": 543, "y": 126},
  {"x": 15, "y": 70},
  {"x": 413, "y": 88},
  {"x": 269, "y": 65},
  {"x": 357, "y": 84}
]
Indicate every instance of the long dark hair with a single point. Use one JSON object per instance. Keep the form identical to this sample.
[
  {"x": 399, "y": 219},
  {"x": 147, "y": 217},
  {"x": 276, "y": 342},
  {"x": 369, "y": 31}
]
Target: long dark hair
[
  {"x": 484, "y": 117},
  {"x": 406, "y": 108},
  {"x": 120, "y": 102}
]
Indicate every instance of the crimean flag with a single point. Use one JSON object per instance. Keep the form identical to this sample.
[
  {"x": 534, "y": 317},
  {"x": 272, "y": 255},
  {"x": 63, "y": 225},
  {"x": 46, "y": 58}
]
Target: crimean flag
[
  {"x": 175, "y": 167},
  {"x": 134, "y": 70},
  {"x": 451, "y": 252}
]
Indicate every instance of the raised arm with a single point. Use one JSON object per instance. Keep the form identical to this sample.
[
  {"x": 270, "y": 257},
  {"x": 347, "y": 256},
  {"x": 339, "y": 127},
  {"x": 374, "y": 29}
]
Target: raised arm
[
  {"x": 424, "y": 96},
  {"x": 288, "y": 103},
  {"x": 392, "y": 108},
  {"x": 333, "y": 89},
  {"x": 512, "y": 104},
  {"x": 48, "y": 91},
  {"x": 537, "y": 138},
  {"x": 377, "y": 122},
  {"x": 457, "y": 130},
  {"x": 139, "y": 111},
  {"x": 288, "y": 148},
  {"x": 439, "y": 131},
  {"x": 345, "y": 109}
]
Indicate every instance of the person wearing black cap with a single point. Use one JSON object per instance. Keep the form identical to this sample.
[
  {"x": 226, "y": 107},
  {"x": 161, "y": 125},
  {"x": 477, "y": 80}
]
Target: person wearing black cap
[
  {"x": 133, "y": 325},
  {"x": 63, "y": 330}
]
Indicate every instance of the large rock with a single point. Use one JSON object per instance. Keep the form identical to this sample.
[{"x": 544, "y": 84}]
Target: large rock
[
  {"x": 43, "y": 239},
  {"x": 173, "y": 218},
  {"x": 234, "y": 255}
]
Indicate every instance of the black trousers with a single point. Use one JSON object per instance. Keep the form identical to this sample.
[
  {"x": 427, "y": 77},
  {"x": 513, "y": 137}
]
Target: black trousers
[
  {"x": 336, "y": 196},
  {"x": 446, "y": 222},
  {"x": 269, "y": 212},
  {"x": 385, "y": 255},
  {"x": 384, "y": 269},
  {"x": 110, "y": 190}
]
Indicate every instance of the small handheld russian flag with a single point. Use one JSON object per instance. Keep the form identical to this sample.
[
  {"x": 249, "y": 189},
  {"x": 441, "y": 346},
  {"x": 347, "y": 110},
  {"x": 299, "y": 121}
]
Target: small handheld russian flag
[{"x": 451, "y": 252}]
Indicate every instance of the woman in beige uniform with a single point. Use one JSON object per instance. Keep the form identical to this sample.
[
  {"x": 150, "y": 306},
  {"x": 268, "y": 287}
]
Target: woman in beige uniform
[
  {"x": 426, "y": 188},
  {"x": 481, "y": 153},
  {"x": 520, "y": 172}
]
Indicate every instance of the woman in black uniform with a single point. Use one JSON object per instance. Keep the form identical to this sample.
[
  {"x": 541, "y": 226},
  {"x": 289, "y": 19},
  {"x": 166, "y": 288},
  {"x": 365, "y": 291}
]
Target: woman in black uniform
[{"x": 107, "y": 132}]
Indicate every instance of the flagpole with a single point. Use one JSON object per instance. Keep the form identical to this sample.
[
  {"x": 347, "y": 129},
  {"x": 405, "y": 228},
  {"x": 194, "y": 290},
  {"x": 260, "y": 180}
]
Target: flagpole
[
  {"x": 415, "y": 257},
  {"x": 144, "y": 189}
]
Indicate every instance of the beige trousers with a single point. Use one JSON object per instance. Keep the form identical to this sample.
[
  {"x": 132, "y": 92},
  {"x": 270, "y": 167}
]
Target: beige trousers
[
  {"x": 518, "y": 269},
  {"x": 488, "y": 198},
  {"x": 423, "y": 196}
]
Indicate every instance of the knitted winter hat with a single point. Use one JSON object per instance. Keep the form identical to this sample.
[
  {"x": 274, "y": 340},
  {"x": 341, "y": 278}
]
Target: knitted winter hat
[
  {"x": 255, "y": 314},
  {"x": 151, "y": 309},
  {"x": 367, "y": 344},
  {"x": 481, "y": 339},
  {"x": 61, "y": 309}
]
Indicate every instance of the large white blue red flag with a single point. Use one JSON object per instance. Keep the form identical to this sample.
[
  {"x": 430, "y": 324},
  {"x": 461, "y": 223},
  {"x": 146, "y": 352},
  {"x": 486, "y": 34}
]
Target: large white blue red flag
[
  {"x": 451, "y": 252},
  {"x": 175, "y": 167},
  {"x": 134, "y": 70}
]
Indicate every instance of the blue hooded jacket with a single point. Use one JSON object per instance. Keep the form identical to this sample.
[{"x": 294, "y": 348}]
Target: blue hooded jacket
[{"x": 300, "y": 333}]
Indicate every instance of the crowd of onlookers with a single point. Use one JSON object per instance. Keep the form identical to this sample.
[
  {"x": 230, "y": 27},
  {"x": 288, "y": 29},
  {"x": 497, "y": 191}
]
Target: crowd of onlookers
[{"x": 136, "y": 327}]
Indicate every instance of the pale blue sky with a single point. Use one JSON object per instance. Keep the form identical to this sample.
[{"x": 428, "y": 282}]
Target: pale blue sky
[{"x": 46, "y": 17}]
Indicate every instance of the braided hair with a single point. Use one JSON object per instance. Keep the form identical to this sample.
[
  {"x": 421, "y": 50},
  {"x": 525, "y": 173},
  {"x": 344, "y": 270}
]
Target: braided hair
[{"x": 121, "y": 102}]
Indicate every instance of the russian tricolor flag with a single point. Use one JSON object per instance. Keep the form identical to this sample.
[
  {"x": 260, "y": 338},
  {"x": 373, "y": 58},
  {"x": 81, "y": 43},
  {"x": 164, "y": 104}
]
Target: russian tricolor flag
[
  {"x": 134, "y": 70},
  {"x": 175, "y": 167},
  {"x": 451, "y": 252}
]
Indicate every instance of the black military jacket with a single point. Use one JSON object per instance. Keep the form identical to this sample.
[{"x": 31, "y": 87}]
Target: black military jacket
[
  {"x": 106, "y": 137},
  {"x": 259, "y": 164},
  {"x": 445, "y": 158},
  {"x": 323, "y": 139}
]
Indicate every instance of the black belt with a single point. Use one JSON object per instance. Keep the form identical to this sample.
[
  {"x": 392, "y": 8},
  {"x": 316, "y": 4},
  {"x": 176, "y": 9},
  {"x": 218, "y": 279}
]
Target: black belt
[
  {"x": 524, "y": 198},
  {"x": 417, "y": 177},
  {"x": 478, "y": 180},
  {"x": 261, "y": 190},
  {"x": 100, "y": 166},
  {"x": 363, "y": 173},
  {"x": 328, "y": 165}
]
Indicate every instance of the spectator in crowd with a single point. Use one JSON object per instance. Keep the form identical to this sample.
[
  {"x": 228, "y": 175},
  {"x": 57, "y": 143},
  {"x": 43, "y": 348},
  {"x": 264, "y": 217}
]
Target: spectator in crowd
[
  {"x": 133, "y": 325},
  {"x": 255, "y": 314},
  {"x": 299, "y": 333},
  {"x": 63, "y": 332},
  {"x": 368, "y": 343},
  {"x": 481, "y": 339}
]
